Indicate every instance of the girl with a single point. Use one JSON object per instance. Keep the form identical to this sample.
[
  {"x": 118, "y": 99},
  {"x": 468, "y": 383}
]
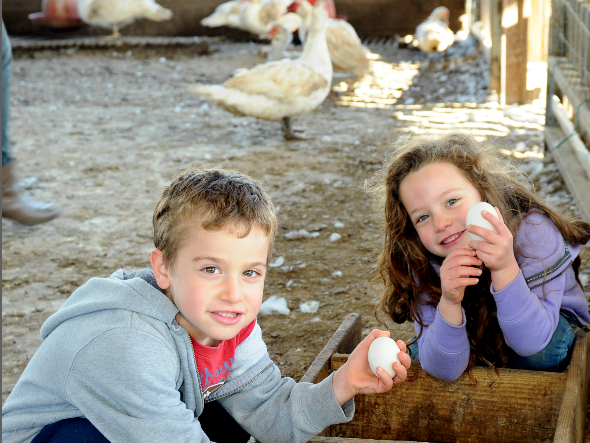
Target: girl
[{"x": 512, "y": 300}]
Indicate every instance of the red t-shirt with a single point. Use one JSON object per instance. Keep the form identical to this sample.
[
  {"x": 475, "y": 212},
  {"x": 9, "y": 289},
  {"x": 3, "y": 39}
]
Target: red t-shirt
[{"x": 214, "y": 363}]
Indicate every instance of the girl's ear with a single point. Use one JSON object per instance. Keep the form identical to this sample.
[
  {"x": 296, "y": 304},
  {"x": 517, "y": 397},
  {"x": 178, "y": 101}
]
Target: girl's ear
[{"x": 160, "y": 270}]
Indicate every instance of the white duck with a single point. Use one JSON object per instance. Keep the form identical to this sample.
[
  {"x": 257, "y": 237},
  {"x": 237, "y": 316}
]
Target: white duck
[
  {"x": 226, "y": 14},
  {"x": 434, "y": 35},
  {"x": 280, "y": 38},
  {"x": 280, "y": 90},
  {"x": 347, "y": 52},
  {"x": 114, "y": 14},
  {"x": 257, "y": 16}
]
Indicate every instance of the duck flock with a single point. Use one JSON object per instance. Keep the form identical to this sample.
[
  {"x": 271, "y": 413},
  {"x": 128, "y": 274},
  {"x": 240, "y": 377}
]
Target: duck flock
[{"x": 291, "y": 83}]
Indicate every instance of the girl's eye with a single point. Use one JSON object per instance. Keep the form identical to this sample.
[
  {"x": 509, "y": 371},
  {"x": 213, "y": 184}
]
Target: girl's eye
[
  {"x": 452, "y": 201},
  {"x": 250, "y": 273},
  {"x": 210, "y": 269},
  {"x": 422, "y": 218}
]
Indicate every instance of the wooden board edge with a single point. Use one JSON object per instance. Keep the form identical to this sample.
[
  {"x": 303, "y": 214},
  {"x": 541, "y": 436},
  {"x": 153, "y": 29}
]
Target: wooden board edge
[
  {"x": 345, "y": 339},
  {"x": 355, "y": 440},
  {"x": 573, "y": 174},
  {"x": 572, "y": 414},
  {"x": 562, "y": 70}
]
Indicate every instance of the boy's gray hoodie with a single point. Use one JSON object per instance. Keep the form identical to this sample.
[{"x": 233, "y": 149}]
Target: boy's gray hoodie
[{"x": 114, "y": 354}]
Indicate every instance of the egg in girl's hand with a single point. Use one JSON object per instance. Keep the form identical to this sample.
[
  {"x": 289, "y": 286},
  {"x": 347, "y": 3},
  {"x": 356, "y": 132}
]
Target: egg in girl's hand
[
  {"x": 383, "y": 352},
  {"x": 474, "y": 217}
]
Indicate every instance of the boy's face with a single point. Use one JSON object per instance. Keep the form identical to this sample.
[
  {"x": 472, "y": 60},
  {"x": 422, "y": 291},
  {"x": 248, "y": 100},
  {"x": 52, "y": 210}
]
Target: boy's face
[
  {"x": 216, "y": 283},
  {"x": 437, "y": 198}
]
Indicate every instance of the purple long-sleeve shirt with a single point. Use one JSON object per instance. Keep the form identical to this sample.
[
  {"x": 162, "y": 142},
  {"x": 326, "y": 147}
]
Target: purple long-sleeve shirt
[{"x": 528, "y": 307}]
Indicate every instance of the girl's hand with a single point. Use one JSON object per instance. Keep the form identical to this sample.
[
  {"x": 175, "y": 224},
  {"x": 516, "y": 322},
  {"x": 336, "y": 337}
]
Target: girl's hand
[
  {"x": 497, "y": 252},
  {"x": 457, "y": 272},
  {"x": 355, "y": 376}
]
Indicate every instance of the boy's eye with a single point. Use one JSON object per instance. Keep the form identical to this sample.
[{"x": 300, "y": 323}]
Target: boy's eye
[
  {"x": 210, "y": 269},
  {"x": 250, "y": 273},
  {"x": 422, "y": 218},
  {"x": 452, "y": 201}
]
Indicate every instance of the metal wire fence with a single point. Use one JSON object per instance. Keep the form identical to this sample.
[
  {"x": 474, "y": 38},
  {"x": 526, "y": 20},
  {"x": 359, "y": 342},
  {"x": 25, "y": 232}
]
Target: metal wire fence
[{"x": 570, "y": 35}]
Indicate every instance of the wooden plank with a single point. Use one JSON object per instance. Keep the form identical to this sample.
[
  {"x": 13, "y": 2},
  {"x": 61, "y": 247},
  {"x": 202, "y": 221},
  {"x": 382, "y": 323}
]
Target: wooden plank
[
  {"x": 344, "y": 340},
  {"x": 514, "y": 53},
  {"x": 569, "y": 83},
  {"x": 570, "y": 427},
  {"x": 572, "y": 172},
  {"x": 515, "y": 406},
  {"x": 494, "y": 14},
  {"x": 508, "y": 407},
  {"x": 353, "y": 440},
  {"x": 572, "y": 415},
  {"x": 567, "y": 127}
]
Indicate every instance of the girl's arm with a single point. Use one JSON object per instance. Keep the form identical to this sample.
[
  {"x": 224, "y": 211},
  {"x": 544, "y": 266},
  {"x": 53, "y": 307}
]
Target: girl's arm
[
  {"x": 443, "y": 347},
  {"x": 528, "y": 312}
]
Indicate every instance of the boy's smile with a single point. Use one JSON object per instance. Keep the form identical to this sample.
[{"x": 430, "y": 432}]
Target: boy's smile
[
  {"x": 437, "y": 198},
  {"x": 216, "y": 282}
]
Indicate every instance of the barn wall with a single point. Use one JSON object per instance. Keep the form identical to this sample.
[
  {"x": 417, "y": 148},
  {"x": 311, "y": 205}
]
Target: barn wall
[{"x": 371, "y": 18}]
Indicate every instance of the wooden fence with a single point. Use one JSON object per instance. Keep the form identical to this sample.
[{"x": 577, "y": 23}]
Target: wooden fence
[{"x": 568, "y": 96}]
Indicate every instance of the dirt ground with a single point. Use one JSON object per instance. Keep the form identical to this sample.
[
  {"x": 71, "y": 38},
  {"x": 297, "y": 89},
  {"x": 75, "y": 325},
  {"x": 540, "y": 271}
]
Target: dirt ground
[{"x": 100, "y": 133}]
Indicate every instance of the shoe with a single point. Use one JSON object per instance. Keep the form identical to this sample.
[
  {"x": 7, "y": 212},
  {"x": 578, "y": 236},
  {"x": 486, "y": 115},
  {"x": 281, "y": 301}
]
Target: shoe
[{"x": 18, "y": 205}]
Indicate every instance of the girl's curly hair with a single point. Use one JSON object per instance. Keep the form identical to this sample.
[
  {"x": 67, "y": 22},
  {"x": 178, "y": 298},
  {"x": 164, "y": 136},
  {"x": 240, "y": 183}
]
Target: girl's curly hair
[{"x": 404, "y": 263}]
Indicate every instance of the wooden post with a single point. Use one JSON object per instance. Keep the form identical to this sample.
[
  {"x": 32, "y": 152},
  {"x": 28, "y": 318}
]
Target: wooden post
[
  {"x": 495, "y": 32},
  {"x": 514, "y": 51}
]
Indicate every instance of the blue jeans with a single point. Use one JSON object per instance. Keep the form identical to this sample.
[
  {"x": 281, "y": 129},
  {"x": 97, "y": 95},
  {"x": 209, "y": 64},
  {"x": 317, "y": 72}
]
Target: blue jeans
[
  {"x": 556, "y": 355},
  {"x": 217, "y": 424},
  {"x": 71, "y": 430},
  {"x": 6, "y": 61},
  {"x": 554, "y": 358}
]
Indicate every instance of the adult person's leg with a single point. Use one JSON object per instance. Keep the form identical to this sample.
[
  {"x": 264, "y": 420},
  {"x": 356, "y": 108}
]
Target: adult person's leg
[
  {"x": 6, "y": 61},
  {"x": 16, "y": 204},
  {"x": 71, "y": 430}
]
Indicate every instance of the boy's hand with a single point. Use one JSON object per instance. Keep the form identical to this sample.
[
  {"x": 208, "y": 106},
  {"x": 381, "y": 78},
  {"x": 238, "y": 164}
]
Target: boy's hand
[
  {"x": 497, "y": 252},
  {"x": 356, "y": 377}
]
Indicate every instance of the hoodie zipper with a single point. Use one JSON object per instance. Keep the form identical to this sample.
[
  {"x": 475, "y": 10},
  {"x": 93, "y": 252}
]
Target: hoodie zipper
[
  {"x": 245, "y": 384},
  {"x": 198, "y": 377}
]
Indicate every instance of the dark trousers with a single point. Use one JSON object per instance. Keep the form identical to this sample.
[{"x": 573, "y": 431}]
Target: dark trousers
[{"x": 215, "y": 421}]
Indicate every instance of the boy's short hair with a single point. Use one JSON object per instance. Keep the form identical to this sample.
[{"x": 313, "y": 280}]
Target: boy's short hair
[{"x": 215, "y": 198}]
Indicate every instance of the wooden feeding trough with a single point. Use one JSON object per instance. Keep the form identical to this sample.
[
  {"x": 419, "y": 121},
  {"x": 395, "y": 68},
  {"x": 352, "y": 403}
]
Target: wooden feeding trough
[{"x": 513, "y": 406}]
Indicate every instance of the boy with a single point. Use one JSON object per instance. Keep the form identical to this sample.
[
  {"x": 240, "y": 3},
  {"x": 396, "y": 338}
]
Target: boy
[{"x": 174, "y": 354}]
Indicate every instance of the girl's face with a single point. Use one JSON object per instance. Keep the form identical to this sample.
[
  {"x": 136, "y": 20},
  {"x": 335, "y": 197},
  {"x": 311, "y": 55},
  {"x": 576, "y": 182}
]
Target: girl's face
[{"x": 437, "y": 198}]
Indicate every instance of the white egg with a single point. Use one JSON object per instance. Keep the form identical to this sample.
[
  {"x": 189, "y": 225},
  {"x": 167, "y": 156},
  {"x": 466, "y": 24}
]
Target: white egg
[
  {"x": 383, "y": 352},
  {"x": 474, "y": 217}
]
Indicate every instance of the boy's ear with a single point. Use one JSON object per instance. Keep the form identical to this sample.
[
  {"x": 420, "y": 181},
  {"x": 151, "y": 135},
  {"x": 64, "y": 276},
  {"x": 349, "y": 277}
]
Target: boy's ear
[{"x": 160, "y": 270}]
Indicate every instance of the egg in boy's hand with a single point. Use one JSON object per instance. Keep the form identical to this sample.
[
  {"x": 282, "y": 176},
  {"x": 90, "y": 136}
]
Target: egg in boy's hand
[
  {"x": 357, "y": 377},
  {"x": 383, "y": 352}
]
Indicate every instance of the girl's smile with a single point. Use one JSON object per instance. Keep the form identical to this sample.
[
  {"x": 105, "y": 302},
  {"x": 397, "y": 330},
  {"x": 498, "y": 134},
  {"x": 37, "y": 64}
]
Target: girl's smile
[
  {"x": 437, "y": 198},
  {"x": 452, "y": 240}
]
